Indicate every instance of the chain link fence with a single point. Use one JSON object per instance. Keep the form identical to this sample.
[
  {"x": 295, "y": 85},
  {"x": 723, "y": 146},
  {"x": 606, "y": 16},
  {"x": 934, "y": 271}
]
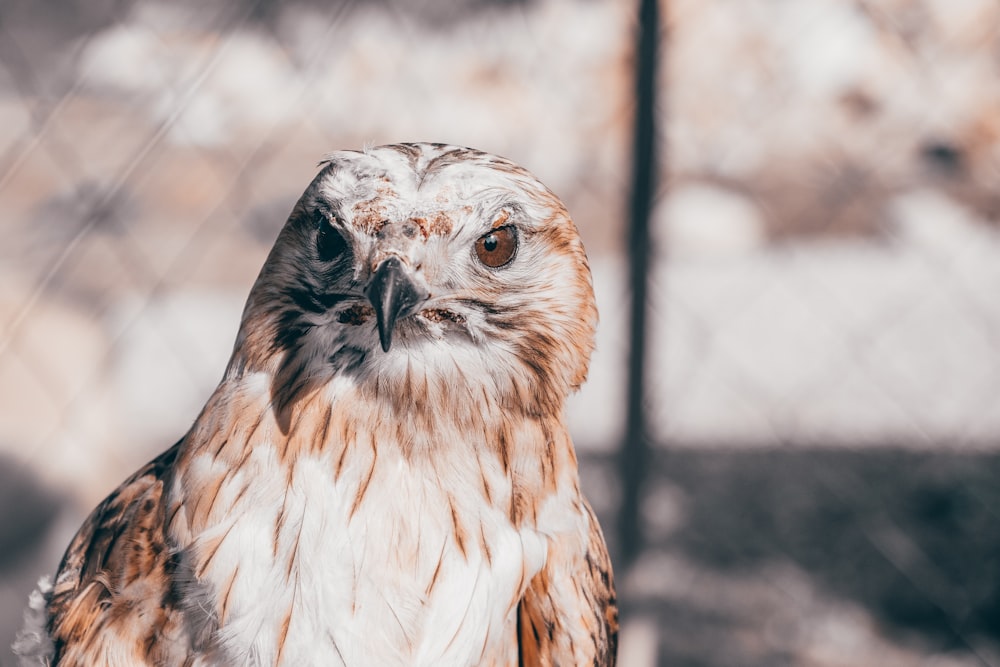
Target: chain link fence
[{"x": 822, "y": 372}]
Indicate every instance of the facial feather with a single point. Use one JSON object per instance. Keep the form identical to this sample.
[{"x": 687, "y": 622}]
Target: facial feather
[{"x": 530, "y": 325}]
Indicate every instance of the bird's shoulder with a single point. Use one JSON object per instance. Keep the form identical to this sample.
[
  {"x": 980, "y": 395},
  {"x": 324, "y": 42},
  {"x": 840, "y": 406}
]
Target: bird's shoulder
[
  {"x": 115, "y": 579},
  {"x": 569, "y": 613}
]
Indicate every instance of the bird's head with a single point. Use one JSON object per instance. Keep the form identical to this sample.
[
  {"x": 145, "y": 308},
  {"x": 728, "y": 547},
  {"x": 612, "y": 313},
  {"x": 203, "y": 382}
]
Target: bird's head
[{"x": 416, "y": 269}]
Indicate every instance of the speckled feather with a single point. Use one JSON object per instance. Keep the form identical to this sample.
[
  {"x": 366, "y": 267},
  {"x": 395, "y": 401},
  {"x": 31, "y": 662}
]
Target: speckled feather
[{"x": 339, "y": 504}]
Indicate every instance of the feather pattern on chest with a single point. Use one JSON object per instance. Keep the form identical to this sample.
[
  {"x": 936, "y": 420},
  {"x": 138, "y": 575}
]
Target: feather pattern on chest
[{"x": 384, "y": 475}]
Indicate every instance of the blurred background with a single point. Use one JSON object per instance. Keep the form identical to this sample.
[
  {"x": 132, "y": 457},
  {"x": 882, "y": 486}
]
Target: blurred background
[{"x": 793, "y": 445}]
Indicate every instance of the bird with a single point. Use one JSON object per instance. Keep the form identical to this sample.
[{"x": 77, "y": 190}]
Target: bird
[{"x": 384, "y": 474}]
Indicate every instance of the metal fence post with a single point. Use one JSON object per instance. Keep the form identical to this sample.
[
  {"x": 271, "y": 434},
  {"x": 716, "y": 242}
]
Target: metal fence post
[{"x": 635, "y": 450}]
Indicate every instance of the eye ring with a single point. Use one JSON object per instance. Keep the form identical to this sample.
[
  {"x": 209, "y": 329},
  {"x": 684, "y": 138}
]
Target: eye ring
[{"x": 497, "y": 247}]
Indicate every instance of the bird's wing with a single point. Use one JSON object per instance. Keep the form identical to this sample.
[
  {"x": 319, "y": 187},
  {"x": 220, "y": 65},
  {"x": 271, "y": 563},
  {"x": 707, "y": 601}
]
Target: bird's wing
[
  {"x": 569, "y": 614},
  {"x": 113, "y": 601}
]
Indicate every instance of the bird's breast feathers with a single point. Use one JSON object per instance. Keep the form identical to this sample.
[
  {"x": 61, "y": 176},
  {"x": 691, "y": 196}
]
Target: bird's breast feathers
[{"x": 367, "y": 553}]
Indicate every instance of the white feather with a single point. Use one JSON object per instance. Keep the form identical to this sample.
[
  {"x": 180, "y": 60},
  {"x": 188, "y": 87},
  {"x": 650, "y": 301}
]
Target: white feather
[{"x": 33, "y": 646}]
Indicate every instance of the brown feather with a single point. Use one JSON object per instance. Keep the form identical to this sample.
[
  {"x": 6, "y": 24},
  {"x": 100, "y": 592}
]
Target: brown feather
[
  {"x": 119, "y": 564},
  {"x": 569, "y": 613}
]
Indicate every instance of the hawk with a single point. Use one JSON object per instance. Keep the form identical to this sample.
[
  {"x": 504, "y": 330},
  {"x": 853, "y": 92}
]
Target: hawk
[{"x": 384, "y": 474}]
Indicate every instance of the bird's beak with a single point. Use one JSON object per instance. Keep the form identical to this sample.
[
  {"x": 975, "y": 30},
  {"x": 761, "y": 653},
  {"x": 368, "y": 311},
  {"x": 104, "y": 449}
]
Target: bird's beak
[{"x": 393, "y": 295}]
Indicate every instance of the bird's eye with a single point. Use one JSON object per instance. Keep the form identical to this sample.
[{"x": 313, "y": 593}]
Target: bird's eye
[
  {"x": 330, "y": 244},
  {"x": 497, "y": 247}
]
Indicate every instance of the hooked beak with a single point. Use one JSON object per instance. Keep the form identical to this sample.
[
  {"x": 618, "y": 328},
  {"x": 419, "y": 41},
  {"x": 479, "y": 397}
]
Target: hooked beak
[{"x": 393, "y": 295}]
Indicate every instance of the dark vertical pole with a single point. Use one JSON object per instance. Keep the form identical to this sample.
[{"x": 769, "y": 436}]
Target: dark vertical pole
[{"x": 635, "y": 451}]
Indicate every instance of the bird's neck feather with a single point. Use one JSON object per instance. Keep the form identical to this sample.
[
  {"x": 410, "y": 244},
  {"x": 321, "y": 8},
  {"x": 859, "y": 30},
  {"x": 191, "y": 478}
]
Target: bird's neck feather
[{"x": 343, "y": 423}]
